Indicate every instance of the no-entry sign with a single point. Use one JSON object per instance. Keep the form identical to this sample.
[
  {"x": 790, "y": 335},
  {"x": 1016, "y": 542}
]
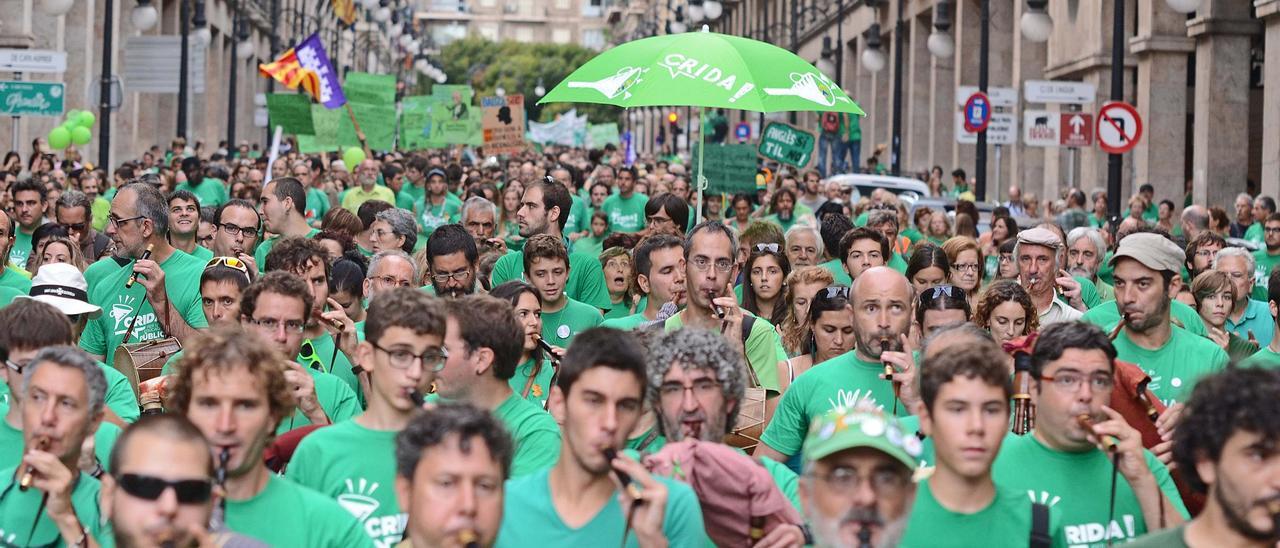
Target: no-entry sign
[
  {"x": 977, "y": 112},
  {"x": 1119, "y": 128}
]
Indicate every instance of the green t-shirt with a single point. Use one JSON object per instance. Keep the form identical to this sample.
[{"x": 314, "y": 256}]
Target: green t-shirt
[
  {"x": 838, "y": 383},
  {"x": 1088, "y": 292},
  {"x": 530, "y": 519},
  {"x": 409, "y": 194},
  {"x": 1077, "y": 486},
  {"x": 357, "y": 467},
  {"x": 585, "y": 284},
  {"x": 316, "y": 353},
  {"x": 896, "y": 262},
  {"x": 1165, "y": 538},
  {"x": 1177, "y": 366},
  {"x": 589, "y": 245},
  {"x": 541, "y": 386},
  {"x": 618, "y": 310},
  {"x": 11, "y": 442},
  {"x": 431, "y": 216},
  {"x": 182, "y": 283},
  {"x": 317, "y": 205},
  {"x": 260, "y": 254},
  {"x": 210, "y": 192},
  {"x": 535, "y": 433},
  {"x": 560, "y": 327},
  {"x": 8, "y": 294},
  {"x": 763, "y": 349},
  {"x": 336, "y": 398},
  {"x": 99, "y": 270},
  {"x": 11, "y": 276},
  {"x": 1265, "y": 358},
  {"x": 649, "y": 442},
  {"x": 1265, "y": 263},
  {"x": 1254, "y": 234},
  {"x": 203, "y": 253},
  {"x": 786, "y": 225},
  {"x": 579, "y": 218},
  {"x": 625, "y": 214},
  {"x": 626, "y": 323},
  {"x": 1106, "y": 316},
  {"x": 288, "y": 514},
  {"x": 21, "y": 250},
  {"x": 836, "y": 268},
  {"x": 19, "y": 510},
  {"x": 1006, "y": 521}
]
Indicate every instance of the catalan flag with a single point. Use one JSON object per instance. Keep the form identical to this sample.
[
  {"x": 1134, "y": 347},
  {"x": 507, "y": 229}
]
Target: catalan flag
[
  {"x": 345, "y": 10},
  {"x": 289, "y": 71}
]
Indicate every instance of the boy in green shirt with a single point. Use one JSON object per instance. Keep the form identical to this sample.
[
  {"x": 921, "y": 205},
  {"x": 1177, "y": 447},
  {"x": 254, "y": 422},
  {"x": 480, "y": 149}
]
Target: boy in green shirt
[
  {"x": 226, "y": 370},
  {"x": 184, "y": 224},
  {"x": 354, "y": 461},
  {"x": 660, "y": 276},
  {"x": 483, "y": 342},
  {"x": 600, "y": 397},
  {"x": 1071, "y": 466},
  {"x": 436, "y": 207},
  {"x": 28, "y": 211},
  {"x": 626, "y": 208},
  {"x": 284, "y": 202},
  {"x": 546, "y": 265}
]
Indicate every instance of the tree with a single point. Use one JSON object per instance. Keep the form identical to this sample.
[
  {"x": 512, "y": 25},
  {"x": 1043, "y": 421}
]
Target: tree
[{"x": 517, "y": 68}]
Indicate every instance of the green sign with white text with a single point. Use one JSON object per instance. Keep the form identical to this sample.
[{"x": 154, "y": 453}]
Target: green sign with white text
[
  {"x": 786, "y": 144},
  {"x": 31, "y": 98}
]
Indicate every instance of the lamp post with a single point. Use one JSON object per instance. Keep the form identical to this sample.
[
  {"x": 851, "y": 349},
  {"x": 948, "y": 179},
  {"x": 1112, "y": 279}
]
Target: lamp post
[
  {"x": 895, "y": 152},
  {"x": 984, "y": 46},
  {"x": 104, "y": 89},
  {"x": 184, "y": 33},
  {"x": 1115, "y": 161}
]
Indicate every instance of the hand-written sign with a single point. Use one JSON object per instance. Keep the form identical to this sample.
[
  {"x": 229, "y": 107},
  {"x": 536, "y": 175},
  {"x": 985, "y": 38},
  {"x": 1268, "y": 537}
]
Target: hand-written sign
[
  {"x": 786, "y": 144},
  {"x": 503, "y": 124}
]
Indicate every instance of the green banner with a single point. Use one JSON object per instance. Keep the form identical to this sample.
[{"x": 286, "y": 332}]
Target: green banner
[
  {"x": 786, "y": 144},
  {"x": 728, "y": 168},
  {"x": 378, "y": 122},
  {"x": 599, "y": 135},
  {"x": 326, "y": 123},
  {"x": 362, "y": 87},
  {"x": 291, "y": 111},
  {"x": 427, "y": 121}
]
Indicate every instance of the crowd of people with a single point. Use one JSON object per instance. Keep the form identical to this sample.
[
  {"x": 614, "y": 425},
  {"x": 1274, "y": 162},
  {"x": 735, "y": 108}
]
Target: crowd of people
[{"x": 558, "y": 349}]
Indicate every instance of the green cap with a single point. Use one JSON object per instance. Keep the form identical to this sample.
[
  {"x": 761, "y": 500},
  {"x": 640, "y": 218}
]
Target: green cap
[{"x": 842, "y": 429}]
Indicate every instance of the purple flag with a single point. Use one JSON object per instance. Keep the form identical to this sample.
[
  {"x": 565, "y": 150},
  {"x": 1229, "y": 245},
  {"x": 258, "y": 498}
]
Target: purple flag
[{"x": 311, "y": 55}]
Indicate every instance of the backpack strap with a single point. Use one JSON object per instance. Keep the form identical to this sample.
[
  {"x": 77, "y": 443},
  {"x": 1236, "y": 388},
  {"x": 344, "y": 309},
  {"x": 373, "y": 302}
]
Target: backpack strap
[{"x": 1040, "y": 526}]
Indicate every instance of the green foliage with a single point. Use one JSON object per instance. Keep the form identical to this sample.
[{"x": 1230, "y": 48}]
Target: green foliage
[{"x": 516, "y": 67}]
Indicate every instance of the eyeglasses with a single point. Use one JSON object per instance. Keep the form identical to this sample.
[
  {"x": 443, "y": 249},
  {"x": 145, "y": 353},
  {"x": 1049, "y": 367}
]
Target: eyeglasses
[
  {"x": 701, "y": 388},
  {"x": 846, "y": 480},
  {"x": 1272, "y": 230},
  {"x": 432, "y": 360},
  {"x": 16, "y": 366},
  {"x": 234, "y": 230},
  {"x": 391, "y": 281},
  {"x": 704, "y": 263},
  {"x": 771, "y": 248},
  {"x": 116, "y": 221},
  {"x": 189, "y": 491},
  {"x": 272, "y": 324},
  {"x": 965, "y": 267},
  {"x": 1069, "y": 381},
  {"x": 460, "y": 275}
]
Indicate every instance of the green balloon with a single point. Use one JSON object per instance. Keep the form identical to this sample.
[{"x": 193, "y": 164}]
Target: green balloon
[
  {"x": 87, "y": 118},
  {"x": 352, "y": 157},
  {"x": 59, "y": 138},
  {"x": 72, "y": 115},
  {"x": 81, "y": 135}
]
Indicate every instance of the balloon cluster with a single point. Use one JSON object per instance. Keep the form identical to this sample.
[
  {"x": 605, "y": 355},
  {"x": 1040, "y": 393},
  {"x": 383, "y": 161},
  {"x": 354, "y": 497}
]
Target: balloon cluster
[
  {"x": 75, "y": 129},
  {"x": 352, "y": 157}
]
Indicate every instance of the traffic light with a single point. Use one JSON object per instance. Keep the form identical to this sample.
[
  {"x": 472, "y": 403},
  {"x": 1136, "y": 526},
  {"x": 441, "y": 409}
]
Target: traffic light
[{"x": 673, "y": 118}]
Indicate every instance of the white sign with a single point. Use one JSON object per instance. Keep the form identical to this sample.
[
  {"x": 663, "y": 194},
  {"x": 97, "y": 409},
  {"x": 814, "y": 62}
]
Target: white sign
[
  {"x": 1041, "y": 128},
  {"x": 1002, "y": 130},
  {"x": 151, "y": 64},
  {"x": 1000, "y": 97},
  {"x": 32, "y": 60},
  {"x": 1052, "y": 91}
]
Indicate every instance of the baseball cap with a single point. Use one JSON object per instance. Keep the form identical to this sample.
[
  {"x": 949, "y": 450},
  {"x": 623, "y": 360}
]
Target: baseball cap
[
  {"x": 842, "y": 429},
  {"x": 436, "y": 171},
  {"x": 63, "y": 286},
  {"x": 1152, "y": 250},
  {"x": 1040, "y": 236}
]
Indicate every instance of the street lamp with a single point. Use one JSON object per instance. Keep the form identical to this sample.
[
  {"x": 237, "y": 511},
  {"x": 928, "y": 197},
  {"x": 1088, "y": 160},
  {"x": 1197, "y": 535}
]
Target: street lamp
[
  {"x": 824, "y": 64},
  {"x": 201, "y": 35},
  {"x": 1036, "y": 23},
  {"x": 56, "y": 7},
  {"x": 677, "y": 25},
  {"x": 540, "y": 90},
  {"x": 696, "y": 13},
  {"x": 713, "y": 9},
  {"x": 872, "y": 57},
  {"x": 144, "y": 15},
  {"x": 500, "y": 91},
  {"x": 941, "y": 44},
  {"x": 1184, "y": 6}
]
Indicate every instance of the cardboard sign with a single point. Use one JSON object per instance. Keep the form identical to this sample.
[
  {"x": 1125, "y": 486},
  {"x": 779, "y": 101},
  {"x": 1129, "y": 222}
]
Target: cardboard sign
[{"x": 503, "y": 124}]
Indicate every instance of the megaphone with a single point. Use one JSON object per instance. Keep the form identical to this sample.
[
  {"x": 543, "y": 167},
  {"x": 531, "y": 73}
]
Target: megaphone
[{"x": 615, "y": 85}]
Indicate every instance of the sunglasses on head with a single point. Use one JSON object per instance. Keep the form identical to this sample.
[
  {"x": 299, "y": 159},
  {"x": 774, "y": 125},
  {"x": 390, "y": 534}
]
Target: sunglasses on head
[
  {"x": 938, "y": 291},
  {"x": 834, "y": 292},
  {"x": 190, "y": 491},
  {"x": 232, "y": 263},
  {"x": 771, "y": 248}
]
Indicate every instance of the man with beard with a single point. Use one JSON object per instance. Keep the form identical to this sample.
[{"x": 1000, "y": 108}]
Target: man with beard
[
  {"x": 159, "y": 453},
  {"x": 75, "y": 210},
  {"x": 480, "y": 218},
  {"x": 61, "y": 406},
  {"x": 660, "y": 276},
  {"x": 184, "y": 224},
  {"x": 804, "y": 246},
  {"x": 882, "y": 312},
  {"x": 857, "y": 488},
  {"x": 28, "y": 209},
  {"x": 1085, "y": 250},
  {"x": 1266, "y": 259},
  {"x": 811, "y": 191},
  {"x": 231, "y": 386},
  {"x": 1249, "y": 318},
  {"x": 451, "y": 257},
  {"x": 626, "y": 208},
  {"x": 964, "y": 411},
  {"x": 1037, "y": 253},
  {"x": 208, "y": 190},
  {"x": 1263, "y": 207},
  {"x": 12, "y": 276},
  {"x": 1103, "y": 486},
  {"x": 367, "y": 187},
  {"x": 237, "y": 231},
  {"x": 543, "y": 209},
  {"x": 459, "y": 442},
  {"x": 437, "y": 207},
  {"x": 1244, "y": 216},
  {"x": 168, "y": 301},
  {"x": 1201, "y": 251},
  {"x": 283, "y": 204},
  {"x": 782, "y": 208},
  {"x": 1226, "y": 447}
]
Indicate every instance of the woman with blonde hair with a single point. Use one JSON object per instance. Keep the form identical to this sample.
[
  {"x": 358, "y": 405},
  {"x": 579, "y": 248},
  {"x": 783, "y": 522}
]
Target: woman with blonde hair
[
  {"x": 802, "y": 284},
  {"x": 57, "y": 249},
  {"x": 967, "y": 265},
  {"x": 1215, "y": 295}
]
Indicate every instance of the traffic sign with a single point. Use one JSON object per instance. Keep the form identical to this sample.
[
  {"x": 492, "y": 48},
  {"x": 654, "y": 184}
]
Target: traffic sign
[
  {"x": 1043, "y": 128},
  {"x": 977, "y": 112},
  {"x": 999, "y": 96},
  {"x": 742, "y": 131},
  {"x": 1001, "y": 130},
  {"x": 1075, "y": 129},
  {"x": 786, "y": 144},
  {"x": 32, "y": 60},
  {"x": 1060, "y": 92},
  {"x": 31, "y": 98},
  {"x": 1119, "y": 127}
]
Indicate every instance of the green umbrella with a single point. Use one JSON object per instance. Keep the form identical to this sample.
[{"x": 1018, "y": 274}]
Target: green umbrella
[{"x": 702, "y": 69}]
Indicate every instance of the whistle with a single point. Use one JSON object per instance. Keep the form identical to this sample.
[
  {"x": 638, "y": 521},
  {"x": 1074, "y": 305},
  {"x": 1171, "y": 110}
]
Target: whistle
[
  {"x": 468, "y": 538},
  {"x": 29, "y": 473},
  {"x": 1086, "y": 422},
  {"x": 133, "y": 278},
  {"x": 623, "y": 478}
]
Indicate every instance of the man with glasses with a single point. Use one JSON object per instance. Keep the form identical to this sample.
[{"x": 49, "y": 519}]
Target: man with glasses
[
  {"x": 75, "y": 210},
  {"x": 666, "y": 212},
  {"x": 660, "y": 276},
  {"x": 437, "y": 207},
  {"x": 28, "y": 210},
  {"x": 354, "y": 461},
  {"x": 237, "y": 231},
  {"x": 1249, "y": 318},
  {"x": 626, "y": 208},
  {"x": 482, "y": 345},
  {"x": 230, "y": 385},
  {"x": 184, "y": 224},
  {"x": 547, "y": 267},
  {"x": 317, "y": 200},
  {"x": 277, "y": 307},
  {"x": 1101, "y": 483},
  {"x": 1201, "y": 251},
  {"x": 283, "y": 204},
  {"x": 387, "y": 270},
  {"x": 163, "y": 294},
  {"x": 1267, "y": 258},
  {"x": 451, "y": 257},
  {"x": 710, "y": 270}
]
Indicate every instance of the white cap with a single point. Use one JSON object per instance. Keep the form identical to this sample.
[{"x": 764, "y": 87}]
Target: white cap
[{"x": 63, "y": 286}]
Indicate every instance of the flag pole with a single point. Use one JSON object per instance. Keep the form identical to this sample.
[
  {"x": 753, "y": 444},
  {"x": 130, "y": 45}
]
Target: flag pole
[
  {"x": 355, "y": 124},
  {"x": 702, "y": 151}
]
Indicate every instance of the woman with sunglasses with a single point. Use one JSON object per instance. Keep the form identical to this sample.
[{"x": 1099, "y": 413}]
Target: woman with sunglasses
[
  {"x": 801, "y": 286},
  {"x": 532, "y": 379},
  {"x": 928, "y": 267},
  {"x": 939, "y": 306},
  {"x": 1005, "y": 310},
  {"x": 619, "y": 278},
  {"x": 831, "y": 333},
  {"x": 766, "y": 271},
  {"x": 965, "y": 256}
]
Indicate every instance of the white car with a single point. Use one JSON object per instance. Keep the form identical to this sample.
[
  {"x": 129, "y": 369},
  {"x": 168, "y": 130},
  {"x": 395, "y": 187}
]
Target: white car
[{"x": 858, "y": 185}]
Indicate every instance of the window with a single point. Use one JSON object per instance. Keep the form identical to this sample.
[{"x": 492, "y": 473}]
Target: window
[{"x": 560, "y": 35}]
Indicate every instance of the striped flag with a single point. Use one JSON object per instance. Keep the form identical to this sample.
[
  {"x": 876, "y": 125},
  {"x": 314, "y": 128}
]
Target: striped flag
[
  {"x": 288, "y": 71},
  {"x": 345, "y": 10}
]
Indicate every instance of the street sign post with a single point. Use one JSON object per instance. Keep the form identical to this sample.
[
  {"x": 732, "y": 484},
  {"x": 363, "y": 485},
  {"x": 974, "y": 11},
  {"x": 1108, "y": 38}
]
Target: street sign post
[
  {"x": 786, "y": 144},
  {"x": 1119, "y": 127},
  {"x": 742, "y": 131},
  {"x": 1001, "y": 130},
  {"x": 1059, "y": 92},
  {"x": 998, "y": 96},
  {"x": 31, "y": 98},
  {"x": 32, "y": 60},
  {"x": 1075, "y": 129},
  {"x": 1043, "y": 128},
  {"x": 977, "y": 112}
]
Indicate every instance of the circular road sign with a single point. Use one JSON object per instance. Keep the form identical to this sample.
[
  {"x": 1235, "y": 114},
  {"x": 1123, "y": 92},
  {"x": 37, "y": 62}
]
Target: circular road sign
[
  {"x": 977, "y": 112},
  {"x": 1118, "y": 127}
]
